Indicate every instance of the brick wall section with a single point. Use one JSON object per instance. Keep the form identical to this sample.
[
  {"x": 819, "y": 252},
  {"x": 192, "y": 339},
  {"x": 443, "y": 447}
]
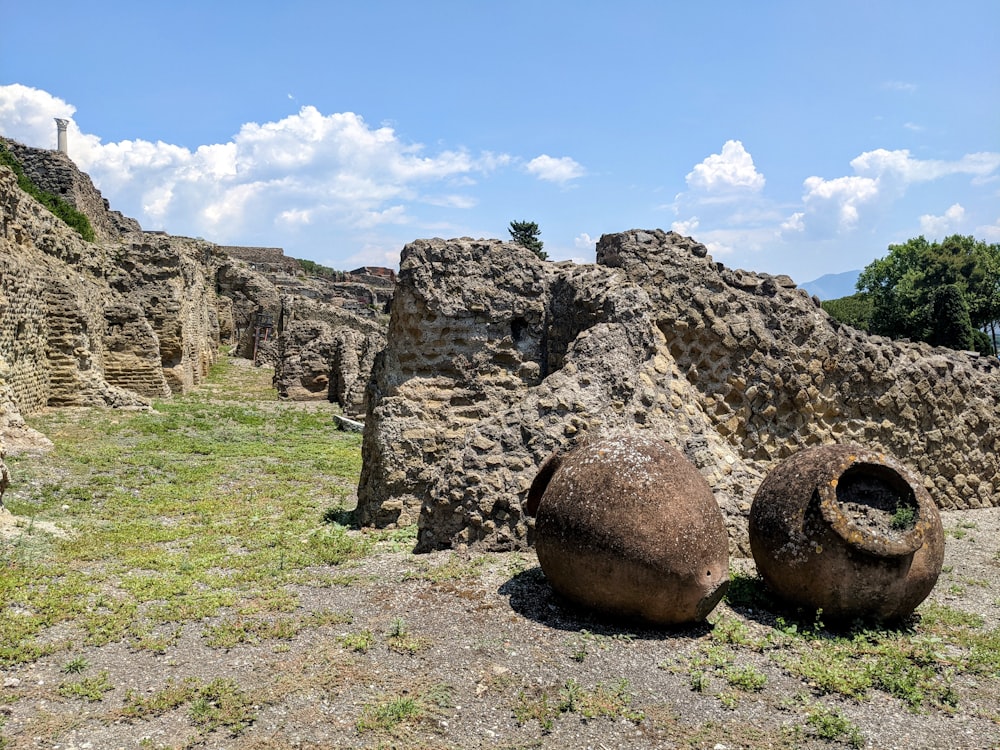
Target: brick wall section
[{"x": 23, "y": 332}]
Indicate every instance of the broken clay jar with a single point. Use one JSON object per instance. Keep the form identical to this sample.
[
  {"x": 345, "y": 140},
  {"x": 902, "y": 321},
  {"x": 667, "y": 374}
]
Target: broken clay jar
[
  {"x": 846, "y": 530},
  {"x": 626, "y": 525}
]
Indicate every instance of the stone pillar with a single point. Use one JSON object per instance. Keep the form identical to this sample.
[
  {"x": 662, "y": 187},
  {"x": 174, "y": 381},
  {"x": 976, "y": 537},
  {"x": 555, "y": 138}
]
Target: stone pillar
[{"x": 61, "y": 135}]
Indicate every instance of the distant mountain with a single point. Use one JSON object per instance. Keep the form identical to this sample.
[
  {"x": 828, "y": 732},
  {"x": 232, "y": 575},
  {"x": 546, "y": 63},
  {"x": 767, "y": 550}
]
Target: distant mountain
[{"x": 833, "y": 285}]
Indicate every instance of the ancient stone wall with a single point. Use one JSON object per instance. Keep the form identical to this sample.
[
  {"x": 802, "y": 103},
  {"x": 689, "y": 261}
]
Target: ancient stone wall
[
  {"x": 271, "y": 258},
  {"x": 251, "y": 292},
  {"x": 54, "y": 172},
  {"x": 111, "y": 322},
  {"x": 325, "y": 351},
  {"x": 172, "y": 279},
  {"x": 23, "y": 330},
  {"x": 495, "y": 358},
  {"x": 52, "y": 297}
]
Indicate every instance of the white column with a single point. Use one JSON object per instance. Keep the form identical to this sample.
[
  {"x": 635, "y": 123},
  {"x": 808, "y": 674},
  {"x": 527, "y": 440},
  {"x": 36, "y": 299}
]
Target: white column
[{"x": 61, "y": 126}]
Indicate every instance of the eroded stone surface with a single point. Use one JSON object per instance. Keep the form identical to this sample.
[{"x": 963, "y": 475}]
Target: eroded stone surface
[
  {"x": 326, "y": 352},
  {"x": 495, "y": 359}
]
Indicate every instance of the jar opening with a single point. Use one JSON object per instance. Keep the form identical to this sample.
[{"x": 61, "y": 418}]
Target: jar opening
[
  {"x": 878, "y": 498},
  {"x": 875, "y": 508}
]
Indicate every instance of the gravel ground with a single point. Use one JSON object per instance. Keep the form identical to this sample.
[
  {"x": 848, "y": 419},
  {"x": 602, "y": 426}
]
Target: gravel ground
[{"x": 467, "y": 651}]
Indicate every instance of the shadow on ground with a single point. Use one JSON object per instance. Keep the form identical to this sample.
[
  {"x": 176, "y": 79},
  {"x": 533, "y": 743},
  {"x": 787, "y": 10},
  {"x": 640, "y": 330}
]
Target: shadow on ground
[{"x": 531, "y": 596}]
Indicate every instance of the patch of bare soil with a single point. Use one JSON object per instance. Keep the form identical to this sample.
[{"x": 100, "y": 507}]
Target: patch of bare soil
[{"x": 12, "y": 526}]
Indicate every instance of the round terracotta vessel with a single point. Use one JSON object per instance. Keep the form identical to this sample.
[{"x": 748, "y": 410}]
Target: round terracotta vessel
[
  {"x": 847, "y": 530},
  {"x": 626, "y": 525}
]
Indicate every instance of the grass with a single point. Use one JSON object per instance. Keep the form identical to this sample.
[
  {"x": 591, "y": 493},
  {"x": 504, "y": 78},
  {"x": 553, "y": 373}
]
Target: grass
[
  {"x": 176, "y": 515},
  {"x": 399, "y": 639},
  {"x": 391, "y": 713},
  {"x": 829, "y": 724},
  {"x": 88, "y": 688},
  {"x": 600, "y": 701}
]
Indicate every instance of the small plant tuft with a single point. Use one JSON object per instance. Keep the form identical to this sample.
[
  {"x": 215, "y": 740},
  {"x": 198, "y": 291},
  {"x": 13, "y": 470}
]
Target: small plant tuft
[
  {"x": 90, "y": 689},
  {"x": 904, "y": 518},
  {"x": 829, "y": 724}
]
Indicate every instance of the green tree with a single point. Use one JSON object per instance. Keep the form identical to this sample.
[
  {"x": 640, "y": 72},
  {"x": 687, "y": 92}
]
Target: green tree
[
  {"x": 950, "y": 322},
  {"x": 525, "y": 234},
  {"x": 906, "y": 290},
  {"x": 890, "y": 284},
  {"x": 854, "y": 310}
]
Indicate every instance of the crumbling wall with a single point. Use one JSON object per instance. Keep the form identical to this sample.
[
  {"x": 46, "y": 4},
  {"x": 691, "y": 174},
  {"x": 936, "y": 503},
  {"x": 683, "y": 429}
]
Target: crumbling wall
[
  {"x": 52, "y": 296},
  {"x": 325, "y": 351},
  {"x": 251, "y": 292},
  {"x": 104, "y": 323},
  {"x": 263, "y": 258},
  {"x": 54, "y": 172},
  {"x": 495, "y": 358},
  {"x": 172, "y": 279}
]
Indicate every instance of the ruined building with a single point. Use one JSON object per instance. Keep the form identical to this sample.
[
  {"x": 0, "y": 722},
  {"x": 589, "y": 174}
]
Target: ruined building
[
  {"x": 136, "y": 315},
  {"x": 495, "y": 359}
]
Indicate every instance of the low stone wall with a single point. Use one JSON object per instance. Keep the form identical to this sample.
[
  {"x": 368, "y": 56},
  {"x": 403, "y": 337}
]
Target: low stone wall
[
  {"x": 267, "y": 258},
  {"x": 495, "y": 359}
]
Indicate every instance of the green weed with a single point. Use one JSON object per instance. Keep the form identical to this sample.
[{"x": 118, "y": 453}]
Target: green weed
[
  {"x": 746, "y": 678},
  {"x": 89, "y": 688},
  {"x": 399, "y": 639},
  {"x": 544, "y": 706},
  {"x": 829, "y": 724},
  {"x": 76, "y": 665},
  {"x": 221, "y": 704},
  {"x": 359, "y": 642},
  {"x": 904, "y": 517},
  {"x": 408, "y": 707}
]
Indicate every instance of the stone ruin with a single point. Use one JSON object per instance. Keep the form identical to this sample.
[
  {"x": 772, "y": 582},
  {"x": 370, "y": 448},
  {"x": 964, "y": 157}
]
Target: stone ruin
[
  {"x": 137, "y": 315},
  {"x": 496, "y": 358},
  {"x": 325, "y": 351},
  {"x": 493, "y": 358}
]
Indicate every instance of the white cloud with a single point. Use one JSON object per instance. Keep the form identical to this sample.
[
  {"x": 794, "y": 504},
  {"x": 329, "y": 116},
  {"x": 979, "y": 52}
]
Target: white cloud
[
  {"x": 903, "y": 86},
  {"x": 989, "y": 232},
  {"x": 794, "y": 223},
  {"x": 293, "y": 217},
  {"x": 937, "y": 227},
  {"x": 584, "y": 241},
  {"x": 732, "y": 170},
  {"x": 899, "y": 165},
  {"x": 28, "y": 115},
  {"x": 685, "y": 227},
  {"x": 842, "y": 197},
  {"x": 301, "y": 173},
  {"x": 561, "y": 170},
  {"x": 451, "y": 201},
  {"x": 881, "y": 178},
  {"x": 913, "y": 126}
]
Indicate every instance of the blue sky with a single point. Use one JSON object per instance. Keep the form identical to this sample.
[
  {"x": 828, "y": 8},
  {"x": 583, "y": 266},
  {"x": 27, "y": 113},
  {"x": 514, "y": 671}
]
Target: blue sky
[{"x": 790, "y": 137}]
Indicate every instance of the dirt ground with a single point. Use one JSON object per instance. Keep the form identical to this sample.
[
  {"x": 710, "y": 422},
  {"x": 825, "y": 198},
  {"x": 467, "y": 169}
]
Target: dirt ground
[{"x": 466, "y": 649}]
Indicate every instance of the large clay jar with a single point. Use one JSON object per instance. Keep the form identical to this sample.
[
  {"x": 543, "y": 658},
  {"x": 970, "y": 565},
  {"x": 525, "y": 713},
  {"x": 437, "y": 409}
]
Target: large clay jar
[
  {"x": 627, "y": 526},
  {"x": 846, "y": 530}
]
